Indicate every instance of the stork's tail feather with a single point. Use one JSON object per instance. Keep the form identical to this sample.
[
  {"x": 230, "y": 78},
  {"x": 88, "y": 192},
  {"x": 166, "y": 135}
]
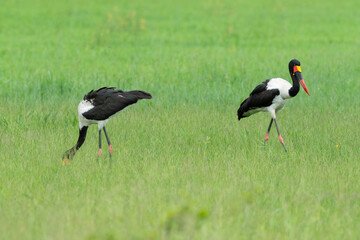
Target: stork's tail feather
[
  {"x": 140, "y": 94},
  {"x": 243, "y": 108}
]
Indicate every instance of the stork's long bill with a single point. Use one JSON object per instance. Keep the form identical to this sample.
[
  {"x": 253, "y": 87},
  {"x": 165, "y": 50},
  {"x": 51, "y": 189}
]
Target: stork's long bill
[{"x": 297, "y": 73}]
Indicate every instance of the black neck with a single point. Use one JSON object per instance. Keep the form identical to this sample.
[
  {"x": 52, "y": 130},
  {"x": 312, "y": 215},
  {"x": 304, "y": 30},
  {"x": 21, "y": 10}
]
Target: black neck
[
  {"x": 69, "y": 154},
  {"x": 82, "y": 136},
  {"x": 293, "y": 91}
]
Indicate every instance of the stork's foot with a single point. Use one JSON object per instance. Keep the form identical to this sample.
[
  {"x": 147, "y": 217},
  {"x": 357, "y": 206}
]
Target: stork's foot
[
  {"x": 282, "y": 142},
  {"x": 99, "y": 152},
  {"x": 111, "y": 149},
  {"x": 66, "y": 161},
  {"x": 266, "y": 137}
]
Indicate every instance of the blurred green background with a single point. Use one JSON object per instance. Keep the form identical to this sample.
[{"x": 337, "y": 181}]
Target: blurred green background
[{"x": 185, "y": 168}]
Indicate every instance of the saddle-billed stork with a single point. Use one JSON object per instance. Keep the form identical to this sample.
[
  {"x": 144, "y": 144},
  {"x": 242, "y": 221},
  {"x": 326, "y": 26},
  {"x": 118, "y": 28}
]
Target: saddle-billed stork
[
  {"x": 97, "y": 107},
  {"x": 271, "y": 95}
]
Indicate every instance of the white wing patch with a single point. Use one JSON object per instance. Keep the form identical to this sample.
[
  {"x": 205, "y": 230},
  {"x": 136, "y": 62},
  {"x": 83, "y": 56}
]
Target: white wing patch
[
  {"x": 282, "y": 85},
  {"x": 84, "y": 106}
]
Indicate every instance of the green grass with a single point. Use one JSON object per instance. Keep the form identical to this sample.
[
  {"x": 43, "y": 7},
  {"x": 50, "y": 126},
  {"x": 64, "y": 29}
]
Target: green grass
[{"x": 184, "y": 167}]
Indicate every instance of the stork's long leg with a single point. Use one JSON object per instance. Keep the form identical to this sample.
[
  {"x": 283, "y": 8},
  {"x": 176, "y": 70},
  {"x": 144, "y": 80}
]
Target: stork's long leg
[
  {"x": 280, "y": 138},
  {"x": 268, "y": 131},
  {"x": 110, "y": 146},
  {"x": 100, "y": 150}
]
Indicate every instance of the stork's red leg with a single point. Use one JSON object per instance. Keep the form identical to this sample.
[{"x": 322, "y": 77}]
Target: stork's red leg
[
  {"x": 100, "y": 150},
  {"x": 108, "y": 140},
  {"x": 110, "y": 146},
  {"x": 280, "y": 138},
  {"x": 268, "y": 131}
]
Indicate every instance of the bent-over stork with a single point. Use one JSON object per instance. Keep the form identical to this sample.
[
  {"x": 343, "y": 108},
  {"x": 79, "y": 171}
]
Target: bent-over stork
[
  {"x": 97, "y": 107},
  {"x": 271, "y": 95}
]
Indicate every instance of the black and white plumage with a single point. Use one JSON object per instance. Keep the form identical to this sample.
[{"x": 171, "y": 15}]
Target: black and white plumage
[
  {"x": 272, "y": 95},
  {"x": 97, "y": 107}
]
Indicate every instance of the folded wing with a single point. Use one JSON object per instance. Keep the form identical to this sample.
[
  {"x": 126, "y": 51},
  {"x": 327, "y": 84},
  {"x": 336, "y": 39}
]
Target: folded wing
[{"x": 108, "y": 101}]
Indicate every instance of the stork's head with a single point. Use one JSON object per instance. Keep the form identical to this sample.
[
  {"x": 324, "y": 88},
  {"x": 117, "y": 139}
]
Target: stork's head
[
  {"x": 68, "y": 156},
  {"x": 295, "y": 71}
]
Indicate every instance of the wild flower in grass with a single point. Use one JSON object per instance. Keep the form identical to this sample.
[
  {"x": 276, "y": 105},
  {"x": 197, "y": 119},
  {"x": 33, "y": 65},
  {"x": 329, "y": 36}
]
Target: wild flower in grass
[
  {"x": 336, "y": 143},
  {"x": 142, "y": 24},
  {"x": 123, "y": 22},
  {"x": 230, "y": 30},
  {"x": 131, "y": 14},
  {"x": 109, "y": 17}
]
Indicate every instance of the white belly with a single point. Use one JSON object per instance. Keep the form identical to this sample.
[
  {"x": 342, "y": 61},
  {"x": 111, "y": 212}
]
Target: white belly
[{"x": 277, "y": 105}]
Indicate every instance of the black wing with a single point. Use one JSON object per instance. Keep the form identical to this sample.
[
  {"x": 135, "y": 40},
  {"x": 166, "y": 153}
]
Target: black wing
[
  {"x": 99, "y": 96},
  {"x": 108, "y": 101},
  {"x": 259, "y": 97},
  {"x": 260, "y": 88}
]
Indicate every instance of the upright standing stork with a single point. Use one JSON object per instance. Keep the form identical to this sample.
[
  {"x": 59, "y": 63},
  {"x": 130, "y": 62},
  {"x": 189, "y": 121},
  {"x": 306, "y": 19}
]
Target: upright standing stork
[
  {"x": 271, "y": 95},
  {"x": 97, "y": 107}
]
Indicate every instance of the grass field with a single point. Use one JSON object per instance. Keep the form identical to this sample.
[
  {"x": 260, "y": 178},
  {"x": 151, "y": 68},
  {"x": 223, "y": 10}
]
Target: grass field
[{"x": 184, "y": 167}]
